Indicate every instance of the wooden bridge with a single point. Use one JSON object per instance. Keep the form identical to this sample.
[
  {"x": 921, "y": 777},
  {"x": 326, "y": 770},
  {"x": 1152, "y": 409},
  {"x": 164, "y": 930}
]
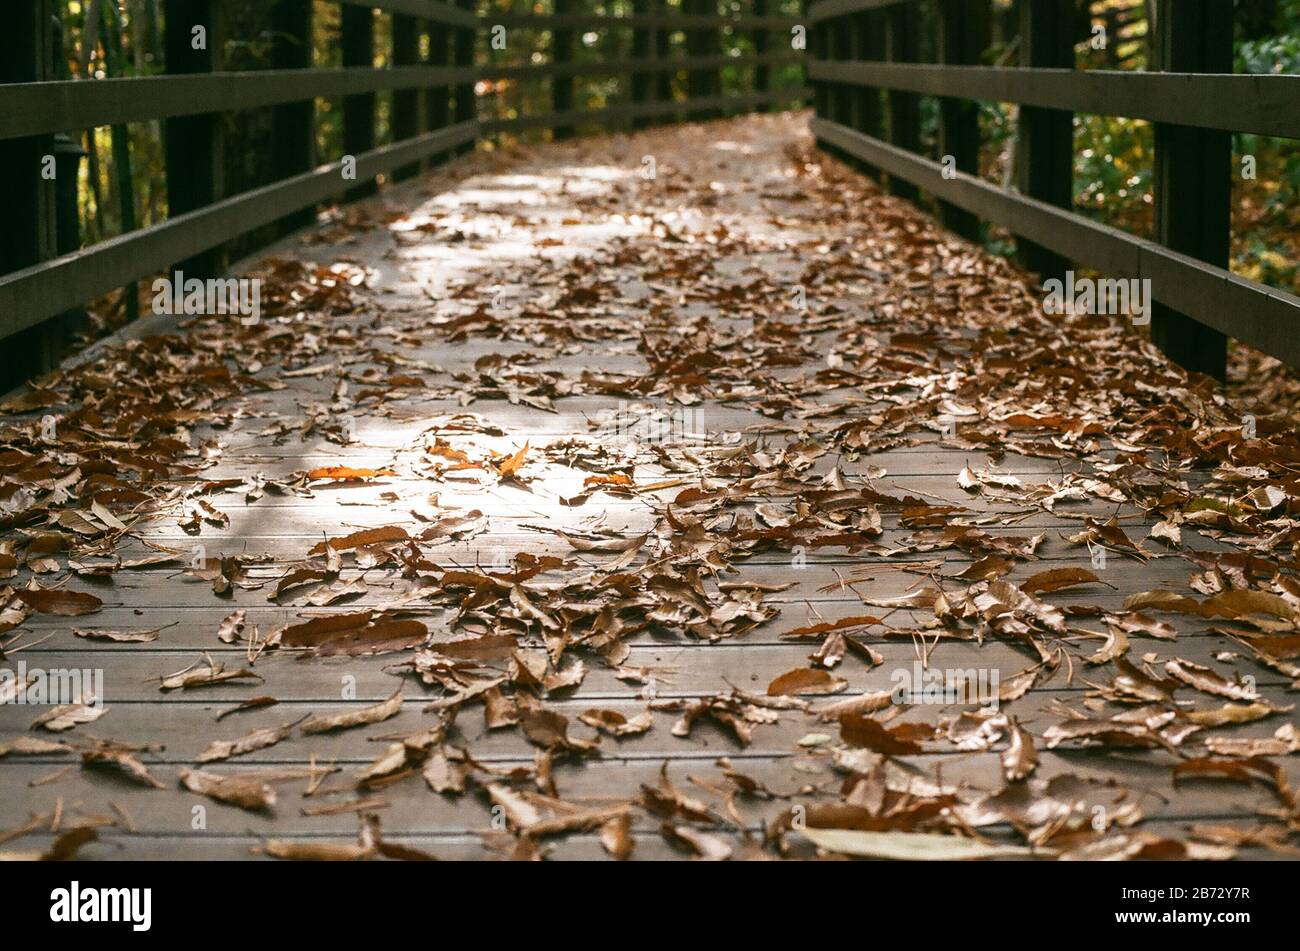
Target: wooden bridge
[{"x": 701, "y": 488}]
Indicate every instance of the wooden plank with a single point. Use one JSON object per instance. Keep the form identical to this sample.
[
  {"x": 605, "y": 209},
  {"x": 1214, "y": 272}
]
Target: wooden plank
[
  {"x": 616, "y": 774},
  {"x": 681, "y": 669},
  {"x": 467, "y": 846},
  {"x": 1262, "y": 316},
  {"x": 1193, "y": 177}
]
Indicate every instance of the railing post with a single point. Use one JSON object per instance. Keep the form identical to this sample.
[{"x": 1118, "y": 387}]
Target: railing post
[
  {"x": 192, "y": 144},
  {"x": 695, "y": 78},
  {"x": 358, "y": 48},
  {"x": 115, "y": 66},
  {"x": 68, "y": 154},
  {"x": 902, "y": 45},
  {"x": 562, "y": 86},
  {"x": 963, "y": 36},
  {"x": 437, "y": 105},
  {"x": 29, "y": 198},
  {"x": 1193, "y": 177},
  {"x": 294, "y": 145},
  {"x": 762, "y": 71},
  {"x": 463, "y": 38},
  {"x": 869, "y": 30},
  {"x": 406, "y": 102},
  {"x": 663, "y": 50},
  {"x": 1045, "y": 137},
  {"x": 819, "y": 49},
  {"x": 841, "y": 48},
  {"x": 713, "y": 47},
  {"x": 642, "y": 49},
  {"x": 701, "y": 83}
]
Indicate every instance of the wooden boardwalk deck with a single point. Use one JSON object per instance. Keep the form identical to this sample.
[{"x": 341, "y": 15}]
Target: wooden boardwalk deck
[{"x": 624, "y": 477}]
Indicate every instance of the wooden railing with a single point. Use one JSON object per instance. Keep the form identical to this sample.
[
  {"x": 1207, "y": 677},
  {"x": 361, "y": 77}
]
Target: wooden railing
[
  {"x": 646, "y": 78},
  {"x": 45, "y": 273},
  {"x": 867, "y": 85}
]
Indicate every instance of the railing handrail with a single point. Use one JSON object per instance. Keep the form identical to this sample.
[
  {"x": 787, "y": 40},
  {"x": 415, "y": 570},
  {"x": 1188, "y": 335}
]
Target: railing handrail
[
  {"x": 434, "y": 11},
  {"x": 632, "y": 21},
  {"x": 1259, "y": 103},
  {"x": 634, "y": 65},
  {"x": 829, "y": 9},
  {"x": 36, "y": 108}
]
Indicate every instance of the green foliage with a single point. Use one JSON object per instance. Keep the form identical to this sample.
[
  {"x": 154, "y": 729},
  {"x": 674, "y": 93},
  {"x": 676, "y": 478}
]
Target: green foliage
[{"x": 1113, "y": 161}]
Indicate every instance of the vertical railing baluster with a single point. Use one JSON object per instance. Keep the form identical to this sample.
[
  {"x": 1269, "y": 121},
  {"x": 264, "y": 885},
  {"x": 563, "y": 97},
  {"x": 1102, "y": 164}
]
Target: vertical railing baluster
[
  {"x": 406, "y": 102},
  {"x": 437, "y": 106},
  {"x": 713, "y": 47},
  {"x": 192, "y": 145},
  {"x": 871, "y": 109},
  {"x": 963, "y": 36},
  {"x": 28, "y": 236},
  {"x": 68, "y": 154},
  {"x": 464, "y": 38},
  {"x": 562, "y": 52},
  {"x": 294, "y": 147},
  {"x": 902, "y": 45},
  {"x": 1193, "y": 174},
  {"x": 841, "y": 50},
  {"x": 642, "y": 49},
  {"x": 357, "y": 45},
  {"x": 817, "y": 50},
  {"x": 1044, "y": 158},
  {"x": 663, "y": 50}
]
